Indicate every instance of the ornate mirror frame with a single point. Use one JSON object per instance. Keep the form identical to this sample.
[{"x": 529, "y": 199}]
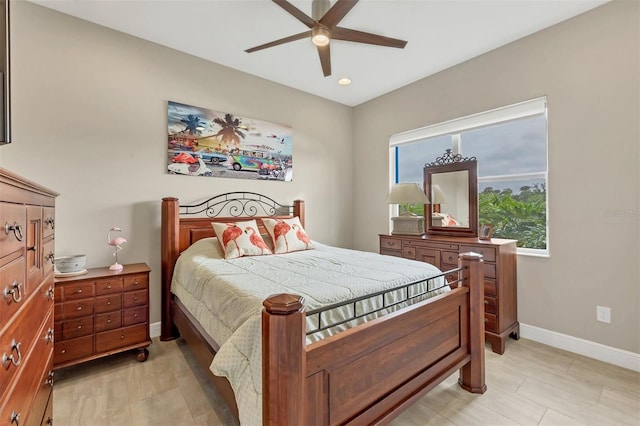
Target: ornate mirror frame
[{"x": 455, "y": 166}]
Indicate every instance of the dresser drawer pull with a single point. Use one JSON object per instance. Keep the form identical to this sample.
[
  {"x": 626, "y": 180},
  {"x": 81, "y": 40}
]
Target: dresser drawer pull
[
  {"x": 109, "y": 287},
  {"x": 486, "y": 320},
  {"x": 49, "y": 380},
  {"x": 79, "y": 308},
  {"x": 15, "y": 418},
  {"x": 136, "y": 315},
  {"x": 34, "y": 248},
  {"x": 79, "y": 290},
  {"x": 135, "y": 283},
  {"x": 135, "y": 298},
  {"x": 50, "y": 222},
  {"x": 64, "y": 351},
  {"x": 486, "y": 302},
  {"x": 50, "y": 257},
  {"x": 50, "y": 293},
  {"x": 48, "y": 337},
  {"x": 14, "y": 292},
  {"x": 6, "y": 359},
  {"x": 122, "y": 337},
  {"x": 17, "y": 230},
  {"x": 79, "y": 327},
  {"x": 108, "y": 320},
  {"x": 108, "y": 302}
]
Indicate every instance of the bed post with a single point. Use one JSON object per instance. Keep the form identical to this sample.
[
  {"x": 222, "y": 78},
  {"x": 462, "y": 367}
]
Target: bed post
[
  {"x": 472, "y": 374},
  {"x": 169, "y": 253},
  {"x": 298, "y": 210},
  {"x": 283, "y": 360}
]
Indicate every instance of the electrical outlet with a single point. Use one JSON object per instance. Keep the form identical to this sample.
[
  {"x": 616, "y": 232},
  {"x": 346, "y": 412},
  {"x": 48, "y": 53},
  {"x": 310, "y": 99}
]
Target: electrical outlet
[{"x": 603, "y": 314}]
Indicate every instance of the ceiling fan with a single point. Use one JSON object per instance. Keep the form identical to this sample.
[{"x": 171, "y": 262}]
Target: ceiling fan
[{"x": 325, "y": 28}]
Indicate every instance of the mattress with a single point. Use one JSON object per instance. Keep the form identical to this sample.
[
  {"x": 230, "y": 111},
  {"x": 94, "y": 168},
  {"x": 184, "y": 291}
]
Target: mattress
[{"x": 226, "y": 296}]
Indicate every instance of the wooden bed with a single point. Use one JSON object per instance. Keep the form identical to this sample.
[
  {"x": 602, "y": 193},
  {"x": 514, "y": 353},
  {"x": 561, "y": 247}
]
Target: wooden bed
[{"x": 365, "y": 375}]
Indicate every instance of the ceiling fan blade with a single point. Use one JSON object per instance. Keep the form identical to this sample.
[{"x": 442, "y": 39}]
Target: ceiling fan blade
[
  {"x": 337, "y": 12},
  {"x": 297, "y": 13},
  {"x": 345, "y": 34},
  {"x": 281, "y": 41},
  {"x": 325, "y": 59}
]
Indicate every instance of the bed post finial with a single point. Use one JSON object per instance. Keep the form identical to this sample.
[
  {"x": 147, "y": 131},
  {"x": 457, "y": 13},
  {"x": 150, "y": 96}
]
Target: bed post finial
[
  {"x": 283, "y": 360},
  {"x": 472, "y": 374}
]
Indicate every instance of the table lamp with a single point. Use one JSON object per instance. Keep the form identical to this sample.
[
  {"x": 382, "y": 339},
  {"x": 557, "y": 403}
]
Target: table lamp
[{"x": 407, "y": 223}]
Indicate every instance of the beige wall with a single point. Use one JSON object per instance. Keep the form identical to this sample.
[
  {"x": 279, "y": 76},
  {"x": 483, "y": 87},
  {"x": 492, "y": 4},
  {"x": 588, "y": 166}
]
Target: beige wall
[
  {"x": 589, "y": 68},
  {"x": 90, "y": 121}
]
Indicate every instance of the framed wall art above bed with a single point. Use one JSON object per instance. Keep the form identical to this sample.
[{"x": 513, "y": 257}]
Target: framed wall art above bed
[{"x": 310, "y": 352}]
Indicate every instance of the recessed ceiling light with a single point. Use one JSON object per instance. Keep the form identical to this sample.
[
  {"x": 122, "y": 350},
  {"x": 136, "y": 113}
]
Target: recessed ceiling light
[{"x": 344, "y": 81}]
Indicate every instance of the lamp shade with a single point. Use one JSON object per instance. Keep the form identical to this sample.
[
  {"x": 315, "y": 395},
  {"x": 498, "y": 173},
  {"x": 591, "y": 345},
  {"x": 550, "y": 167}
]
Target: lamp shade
[
  {"x": 438, "y": 195},
  {"x": 407, "y": 193}
]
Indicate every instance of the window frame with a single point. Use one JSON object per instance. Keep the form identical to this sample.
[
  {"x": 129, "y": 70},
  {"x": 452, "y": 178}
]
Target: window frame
[{"x": 492, "y": 117}]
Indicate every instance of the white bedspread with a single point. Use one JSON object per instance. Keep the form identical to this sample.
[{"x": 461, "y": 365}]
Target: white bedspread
[{"x": 226, "y": 297}]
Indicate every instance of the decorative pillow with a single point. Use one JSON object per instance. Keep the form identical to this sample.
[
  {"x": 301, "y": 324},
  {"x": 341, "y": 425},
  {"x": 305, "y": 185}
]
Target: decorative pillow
[
  {"x": 287, "y": 235},
  {"x": 240, "y": 239}
]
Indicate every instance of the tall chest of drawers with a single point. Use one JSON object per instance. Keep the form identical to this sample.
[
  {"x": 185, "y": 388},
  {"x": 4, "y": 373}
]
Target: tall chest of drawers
[
  {"x": 27, "y": 224},
  {"x": 100, "y": 313},
  {"x": 500, "y": 285}
]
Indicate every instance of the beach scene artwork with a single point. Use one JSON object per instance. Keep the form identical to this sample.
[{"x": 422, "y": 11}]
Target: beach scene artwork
[{"x": 203, "y": 142}]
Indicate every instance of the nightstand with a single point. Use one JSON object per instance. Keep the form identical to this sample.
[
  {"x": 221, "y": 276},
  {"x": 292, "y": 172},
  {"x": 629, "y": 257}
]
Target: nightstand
[{"x": 100, "y": 313}]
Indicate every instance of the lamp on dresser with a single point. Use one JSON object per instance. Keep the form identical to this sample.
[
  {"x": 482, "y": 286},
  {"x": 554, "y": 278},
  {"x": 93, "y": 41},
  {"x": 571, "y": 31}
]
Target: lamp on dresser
[{"x": 407, "y": 194}]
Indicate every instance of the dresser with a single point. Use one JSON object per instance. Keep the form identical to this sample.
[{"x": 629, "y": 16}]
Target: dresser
[
  {"x": 27, "y": 224},
  {"x": 500, "y": 285},
  {"x": 101, "y": 313}
]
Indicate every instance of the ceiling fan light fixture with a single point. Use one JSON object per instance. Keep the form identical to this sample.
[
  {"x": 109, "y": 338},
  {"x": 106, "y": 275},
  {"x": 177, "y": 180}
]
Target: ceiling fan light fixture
[{"x": 320, "y": 36}]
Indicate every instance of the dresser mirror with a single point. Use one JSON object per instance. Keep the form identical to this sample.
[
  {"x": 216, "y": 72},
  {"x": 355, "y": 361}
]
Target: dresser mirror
[{"x": 451, "y": 184}]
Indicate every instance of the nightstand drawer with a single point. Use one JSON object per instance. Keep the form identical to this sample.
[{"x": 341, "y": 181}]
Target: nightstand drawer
[
  {"x": 108, "y": 303},
  {"x": 76, "y": 328},
  {"x": 108, "y": 286},
  {"x": 135, "y": 282},
  {"x": 108, "y": 321},
  {"x": 72, "y": 349},
  {"x": 122, "y": 337},
  {"x": 490, "y": 288},
  {"x": 135, "y": 315},
  {"x": 135, "y": 298},
  {"x": 77, "y": 291},
  {"x": 77, "y": 309},
  {"x": 489, "y": 270}
]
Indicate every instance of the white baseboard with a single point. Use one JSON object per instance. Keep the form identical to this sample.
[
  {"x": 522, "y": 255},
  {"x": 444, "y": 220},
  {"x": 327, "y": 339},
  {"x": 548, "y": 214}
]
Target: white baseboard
[
  {"x": 611, "y": 355},
  {"x": 154, "y": 329}
]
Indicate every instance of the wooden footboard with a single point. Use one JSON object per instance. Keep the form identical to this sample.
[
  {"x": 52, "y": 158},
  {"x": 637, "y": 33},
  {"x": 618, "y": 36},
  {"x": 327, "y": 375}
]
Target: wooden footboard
[{"x": 370, "y": 373}]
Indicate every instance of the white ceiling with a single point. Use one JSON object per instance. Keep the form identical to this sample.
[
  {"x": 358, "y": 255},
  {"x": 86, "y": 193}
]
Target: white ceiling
[{"x": 440, "y": 34}]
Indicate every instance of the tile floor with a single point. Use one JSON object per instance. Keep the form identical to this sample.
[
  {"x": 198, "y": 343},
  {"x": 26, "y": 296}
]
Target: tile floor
[{"x": 531, "y": 384}]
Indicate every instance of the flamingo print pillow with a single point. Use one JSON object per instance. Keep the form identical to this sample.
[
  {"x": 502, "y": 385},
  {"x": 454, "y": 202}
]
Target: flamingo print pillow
[
  {"x": 287, "y": 235},
  {"x": 240, "y": 239}
]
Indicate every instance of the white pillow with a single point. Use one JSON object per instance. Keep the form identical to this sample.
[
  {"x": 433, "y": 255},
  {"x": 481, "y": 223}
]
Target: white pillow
[
  {"x": 240, "y": 239},
  {"x": 287, "y": 235}
]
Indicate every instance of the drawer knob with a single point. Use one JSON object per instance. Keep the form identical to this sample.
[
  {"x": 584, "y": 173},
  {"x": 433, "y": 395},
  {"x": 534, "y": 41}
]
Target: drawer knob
[
  {"x": 64, "y": 351},
  {"x": 108, "y": 302},
  {"x": 108, "y": 320},
  {"x": 14, "y": 291},
  {"x": 17, "y": 230},
  {"x": 109, "y": 287},
  {"x": 486, "y": 302},
  {"x": 79, "y": 326},
  {"x": 50, "y": 257},
  {"x": 50, "y": 222},
  {"x": 11, "y": 358},
  {"x": 122, "y": 337},
  {"x": 79, "y": 290},
  {"x": 48, "y": 337},
  {"x": 15, "y": 418},
  {"x": 79, "y": 308},
  {"x": 136, "y": 315},
  {"x": 135, "y": 298},
  {"x": 135, "y": 282},
  {"x": 49, "y": 380},
  {"x": 486, "y": 320},
  {"x": 50, "y": 293}
]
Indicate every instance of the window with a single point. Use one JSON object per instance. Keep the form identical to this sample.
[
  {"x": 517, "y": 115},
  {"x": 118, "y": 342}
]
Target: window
[{"x": 510, "y": 145}]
